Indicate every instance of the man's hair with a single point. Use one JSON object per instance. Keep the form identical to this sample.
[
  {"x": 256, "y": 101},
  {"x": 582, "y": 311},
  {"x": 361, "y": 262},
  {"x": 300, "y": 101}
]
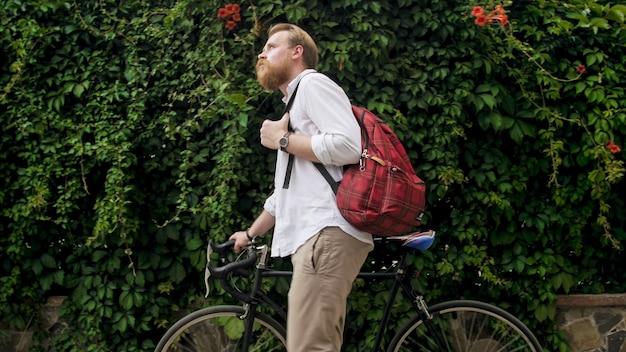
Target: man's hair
[{"x": 297, "y": 36}]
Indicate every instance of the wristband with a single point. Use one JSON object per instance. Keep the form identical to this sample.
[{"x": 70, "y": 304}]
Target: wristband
[{"x": 250, "y": 238}]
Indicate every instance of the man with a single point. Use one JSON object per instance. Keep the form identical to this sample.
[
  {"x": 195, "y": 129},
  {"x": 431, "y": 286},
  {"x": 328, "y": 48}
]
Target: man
[{"x": 326, "y": 251}]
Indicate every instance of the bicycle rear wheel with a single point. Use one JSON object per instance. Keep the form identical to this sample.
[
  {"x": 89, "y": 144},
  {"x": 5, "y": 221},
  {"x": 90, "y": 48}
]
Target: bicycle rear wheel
[
  {"x": 220, "y": 329},
  {"x": 467, "y": 326}
]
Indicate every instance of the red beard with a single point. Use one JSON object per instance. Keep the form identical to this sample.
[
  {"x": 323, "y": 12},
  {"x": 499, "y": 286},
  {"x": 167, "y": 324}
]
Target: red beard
[{"x": 272, "y": 76}]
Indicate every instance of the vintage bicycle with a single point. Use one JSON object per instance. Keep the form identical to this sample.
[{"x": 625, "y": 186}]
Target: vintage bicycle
[{"x": 458, "y": 325}]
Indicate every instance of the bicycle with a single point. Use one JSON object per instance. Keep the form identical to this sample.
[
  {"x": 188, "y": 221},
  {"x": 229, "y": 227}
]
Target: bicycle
[{"x": 458, "y": 325}]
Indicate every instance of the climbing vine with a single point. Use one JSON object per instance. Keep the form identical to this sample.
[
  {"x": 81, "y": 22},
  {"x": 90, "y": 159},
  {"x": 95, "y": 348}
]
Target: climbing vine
[
  {"x": 131, "y": 138},
  {"x": 541, "y": 88}
]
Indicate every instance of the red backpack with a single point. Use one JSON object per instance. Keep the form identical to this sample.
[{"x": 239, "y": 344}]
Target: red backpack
[{"x": 382, "y": 194}]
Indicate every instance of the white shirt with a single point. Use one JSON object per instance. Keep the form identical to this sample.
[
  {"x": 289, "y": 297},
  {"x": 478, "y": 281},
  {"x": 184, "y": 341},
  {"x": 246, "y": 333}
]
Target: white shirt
[{"x": 321, "y": 109}]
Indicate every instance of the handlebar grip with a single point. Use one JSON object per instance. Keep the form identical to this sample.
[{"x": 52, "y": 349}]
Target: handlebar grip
[
  {"x": 222, "y": 248},
  {"x": 222, "y": 271}
]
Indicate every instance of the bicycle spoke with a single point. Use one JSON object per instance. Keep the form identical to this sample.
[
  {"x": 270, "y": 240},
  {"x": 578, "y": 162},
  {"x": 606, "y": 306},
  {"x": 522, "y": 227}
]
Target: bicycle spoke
[
  {"x": 475, "y": 327},
  {"x": 220, "y": 329}
]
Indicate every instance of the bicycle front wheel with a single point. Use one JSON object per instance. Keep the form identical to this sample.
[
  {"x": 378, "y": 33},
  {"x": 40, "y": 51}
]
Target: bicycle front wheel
[
  {"x": 221, "y": 329},
  {"x": 467, "y": 326}
]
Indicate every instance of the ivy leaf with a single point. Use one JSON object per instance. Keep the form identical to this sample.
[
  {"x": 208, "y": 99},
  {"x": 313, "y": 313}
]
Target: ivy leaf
[
  {"x": 489, "y": 100},
  {"x": 177, "y": 272},
  {"x": 126, "y": 300},
  {"x": 36, "y": 267},
  {"x": 519, "y": 264},
  {"x": 194, "y": 244},
  {"x": 78, "y": 90},
  {"x": 616, "y": 13},
  {"x": 516, "y": 133},
  {"x": 48, "y": 261},
  {"x": 238, "y": 99},
  {"x": 496, "y": 120},
  {"x": 541, "y": 312},
  {"x": 243, "y": 119}
]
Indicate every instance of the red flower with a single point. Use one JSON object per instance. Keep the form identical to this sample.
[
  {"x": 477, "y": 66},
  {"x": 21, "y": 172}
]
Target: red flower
[
  {"x": 496, "y": 15},
  {"x": 230, "y": 25},
  {"x": 504, "y": 19},
  {"x": 478, "y": 11},
  {"x": 481, "y": 20},
  {"x": 613, "y": 148},
  {"x": 581, "y": 68},
  {"x": 230, "y": 13}
]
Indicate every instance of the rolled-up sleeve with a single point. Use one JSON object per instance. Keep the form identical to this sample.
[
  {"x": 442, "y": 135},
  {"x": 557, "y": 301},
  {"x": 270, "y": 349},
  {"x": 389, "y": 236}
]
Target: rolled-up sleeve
[
  {"x": 270, "y": 204},
  {"x": 339, "y": 139},
  {"x": 335, "y": 149}
]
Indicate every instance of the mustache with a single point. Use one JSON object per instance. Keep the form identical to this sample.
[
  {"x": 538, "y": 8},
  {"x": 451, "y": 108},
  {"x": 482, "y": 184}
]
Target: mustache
[{"x": 259, "y": 63}]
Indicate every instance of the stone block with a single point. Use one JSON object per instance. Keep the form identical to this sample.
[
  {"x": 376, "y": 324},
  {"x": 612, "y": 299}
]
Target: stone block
[{"x": 583, "y": 335}]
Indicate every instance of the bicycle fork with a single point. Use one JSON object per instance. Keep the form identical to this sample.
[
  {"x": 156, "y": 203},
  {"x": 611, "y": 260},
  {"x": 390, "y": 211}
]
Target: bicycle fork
[
  {"x": 426, "y": 318},
  {"x": 419, "y": 304},
  {"x": 249, "y": 311},
  {"x": 424, "y": 314}
]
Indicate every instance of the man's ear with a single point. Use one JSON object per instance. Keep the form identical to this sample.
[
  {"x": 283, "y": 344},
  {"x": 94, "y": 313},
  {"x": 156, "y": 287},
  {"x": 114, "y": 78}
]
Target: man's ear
[{"x": 298, "y": 51}]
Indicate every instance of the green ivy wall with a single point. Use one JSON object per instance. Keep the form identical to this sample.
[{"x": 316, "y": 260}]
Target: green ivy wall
[{"x": 130, "y": 138}]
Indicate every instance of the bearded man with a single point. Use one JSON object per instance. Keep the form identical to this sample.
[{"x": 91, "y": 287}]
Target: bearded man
[{"x": 326, "y": 251}]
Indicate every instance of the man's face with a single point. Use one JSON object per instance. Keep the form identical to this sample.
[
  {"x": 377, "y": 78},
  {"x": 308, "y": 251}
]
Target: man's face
[{"x": 272, "y": 68}]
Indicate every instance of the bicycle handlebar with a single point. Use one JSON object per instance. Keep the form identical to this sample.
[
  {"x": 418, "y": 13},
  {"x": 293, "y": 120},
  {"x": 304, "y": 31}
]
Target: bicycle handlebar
[
  {"x": 222, "y": 247},
  {"x": 223, "y": 270}
]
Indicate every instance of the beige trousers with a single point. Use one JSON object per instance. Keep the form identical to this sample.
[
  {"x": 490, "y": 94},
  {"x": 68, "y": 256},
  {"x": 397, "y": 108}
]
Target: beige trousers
[{"x": 324, "y": 269}]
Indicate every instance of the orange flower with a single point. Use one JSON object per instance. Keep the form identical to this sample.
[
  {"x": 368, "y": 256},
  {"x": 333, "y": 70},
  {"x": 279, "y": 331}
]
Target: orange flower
[
  {"x": 230, "y": 13},
  {"x": 481, "y": 20},
  {"x": 581, "y": 68},
  {"x": 478, "y": 11},
  {"x": 230, "y": 25},
  {"x": 496, "y": 15},
  {"x": 504, "y": 19},
  {"x": 613, "y": 148}
]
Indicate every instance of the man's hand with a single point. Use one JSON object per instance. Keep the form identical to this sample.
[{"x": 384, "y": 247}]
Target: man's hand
[
  {"x": 241, "y": 240},
  {"x": 272, "y": 131}
]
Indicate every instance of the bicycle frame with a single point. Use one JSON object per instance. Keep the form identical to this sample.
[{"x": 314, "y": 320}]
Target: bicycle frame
[
  {"x": 399, "y": 284},
  {"x": 451, "y": 325}
]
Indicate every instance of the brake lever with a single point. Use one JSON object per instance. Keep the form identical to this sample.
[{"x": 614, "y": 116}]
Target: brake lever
[{"x": 207, "y": 272}]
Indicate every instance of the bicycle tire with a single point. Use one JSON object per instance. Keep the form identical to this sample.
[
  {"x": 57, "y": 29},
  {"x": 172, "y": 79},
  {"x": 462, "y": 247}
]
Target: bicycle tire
[
  {"x": 220, "y": 329},
  {"x": 468, "y": 326}
]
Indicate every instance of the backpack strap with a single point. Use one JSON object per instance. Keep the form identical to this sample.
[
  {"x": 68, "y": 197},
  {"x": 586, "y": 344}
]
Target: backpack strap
[
  {"x": 291, "y": 157},
  {"x": 331, "y": 181}
]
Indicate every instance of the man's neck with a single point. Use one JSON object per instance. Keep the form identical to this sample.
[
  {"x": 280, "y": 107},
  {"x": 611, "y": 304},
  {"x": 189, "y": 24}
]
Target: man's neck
[{"x": 294, "y": 75}]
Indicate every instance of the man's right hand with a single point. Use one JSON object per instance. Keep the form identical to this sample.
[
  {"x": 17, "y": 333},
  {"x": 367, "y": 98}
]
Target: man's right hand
[{"x": 241, "y": 240}]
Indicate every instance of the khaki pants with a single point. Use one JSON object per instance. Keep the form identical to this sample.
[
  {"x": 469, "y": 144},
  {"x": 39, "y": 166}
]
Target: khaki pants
[{"x": 324, "y": 269}]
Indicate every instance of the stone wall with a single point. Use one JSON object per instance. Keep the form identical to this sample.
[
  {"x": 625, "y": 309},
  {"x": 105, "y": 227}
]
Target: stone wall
[{"x": 593, "y": 323}]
